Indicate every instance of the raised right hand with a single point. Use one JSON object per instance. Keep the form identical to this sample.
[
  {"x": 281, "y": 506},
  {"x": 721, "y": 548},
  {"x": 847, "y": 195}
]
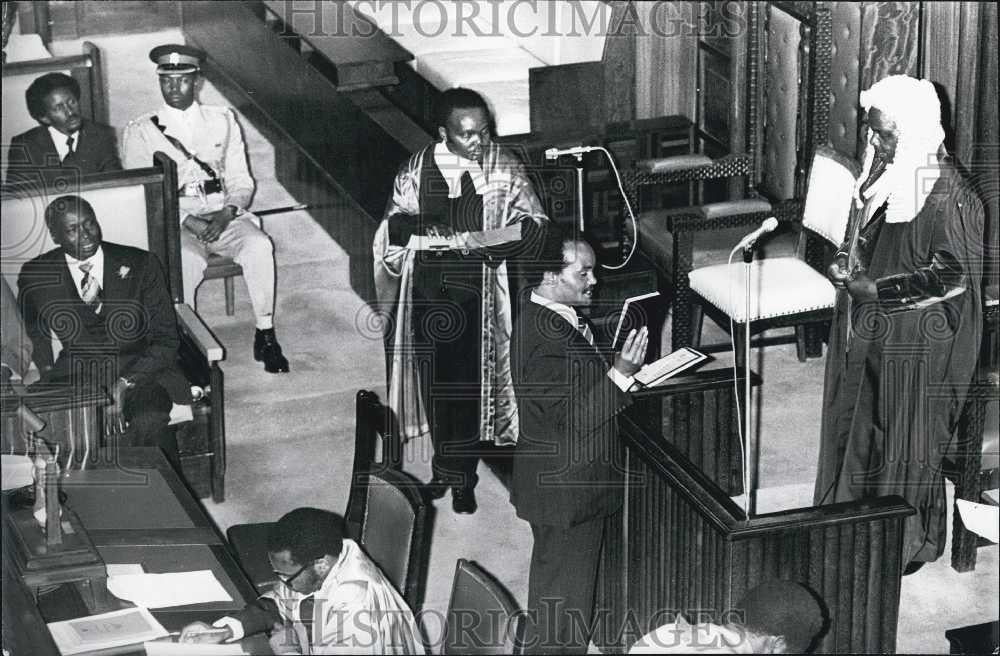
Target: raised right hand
[{"x": 633, "y": 353}]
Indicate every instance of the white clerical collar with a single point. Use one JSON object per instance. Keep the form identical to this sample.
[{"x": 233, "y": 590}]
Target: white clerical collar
[
  {"x": 563, "y": 310},
  {"x": 452, "y": 167}
]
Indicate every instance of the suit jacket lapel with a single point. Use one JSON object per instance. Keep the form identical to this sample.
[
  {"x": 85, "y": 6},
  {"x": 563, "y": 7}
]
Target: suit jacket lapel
[
  {"x": 114, "y": 284},
  {"x": 48, "y": 149}
]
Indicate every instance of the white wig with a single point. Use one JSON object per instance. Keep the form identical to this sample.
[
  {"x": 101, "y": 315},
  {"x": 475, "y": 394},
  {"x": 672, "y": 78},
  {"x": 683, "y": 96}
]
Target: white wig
[{"x": 914, "y": 107}]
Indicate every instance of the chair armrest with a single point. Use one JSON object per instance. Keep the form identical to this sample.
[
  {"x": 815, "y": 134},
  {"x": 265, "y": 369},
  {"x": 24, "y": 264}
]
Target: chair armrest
[{"x": 191, "y": 325}]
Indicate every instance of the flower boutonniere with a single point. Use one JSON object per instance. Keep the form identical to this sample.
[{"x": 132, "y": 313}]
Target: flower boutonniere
[{"x": 123, "y": 272}]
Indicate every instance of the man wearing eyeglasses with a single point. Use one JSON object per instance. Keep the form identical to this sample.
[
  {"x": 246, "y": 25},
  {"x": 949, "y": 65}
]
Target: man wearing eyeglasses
[{"x": 329, "y": 596}]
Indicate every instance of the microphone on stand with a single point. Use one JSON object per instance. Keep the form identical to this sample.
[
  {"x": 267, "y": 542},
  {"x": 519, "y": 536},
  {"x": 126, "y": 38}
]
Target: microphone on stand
[
  {"x": 553, "y": 153},
  {"x": 769, "y": 224}
]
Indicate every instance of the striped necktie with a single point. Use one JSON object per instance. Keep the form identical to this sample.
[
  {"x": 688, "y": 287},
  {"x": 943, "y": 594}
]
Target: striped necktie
[{"x": 90, "y": 289}]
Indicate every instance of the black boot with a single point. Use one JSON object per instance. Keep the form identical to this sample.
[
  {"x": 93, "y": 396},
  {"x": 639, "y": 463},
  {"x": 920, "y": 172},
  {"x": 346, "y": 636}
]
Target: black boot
[
  {"x": 266, "y": 349},
  {"x": 463, "y": 500}
]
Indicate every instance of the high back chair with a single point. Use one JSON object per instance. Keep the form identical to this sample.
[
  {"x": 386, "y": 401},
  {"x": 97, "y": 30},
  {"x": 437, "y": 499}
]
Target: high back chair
[
  {"x": 395, "y": 529},
  {"x": 137, "y": 208},
  {"x": 786, "y": 290},
  {"x": 774, "y": 131},
  {"x": 482, "y": 618}
]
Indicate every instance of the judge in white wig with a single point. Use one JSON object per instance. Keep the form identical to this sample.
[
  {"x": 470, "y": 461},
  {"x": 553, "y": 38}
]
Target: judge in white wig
[{"x": 908, "y": 318}]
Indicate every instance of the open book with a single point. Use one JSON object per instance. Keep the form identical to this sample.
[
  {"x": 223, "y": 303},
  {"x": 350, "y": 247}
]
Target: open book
[
  {"x": 636, "y": 313},
  {"x": 668, "y": 366}
]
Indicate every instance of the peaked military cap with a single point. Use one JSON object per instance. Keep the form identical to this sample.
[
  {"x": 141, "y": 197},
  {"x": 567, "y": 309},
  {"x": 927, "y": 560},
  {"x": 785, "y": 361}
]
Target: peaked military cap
[{"x": 176, "y": 59}]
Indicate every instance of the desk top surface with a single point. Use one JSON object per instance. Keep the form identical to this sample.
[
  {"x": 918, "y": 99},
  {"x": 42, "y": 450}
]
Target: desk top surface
[{"x": 132, "y": 496}]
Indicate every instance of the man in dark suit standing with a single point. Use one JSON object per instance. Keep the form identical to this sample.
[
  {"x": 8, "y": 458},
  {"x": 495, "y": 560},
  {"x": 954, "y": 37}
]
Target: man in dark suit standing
[
  {"x": 568, "y": 474},
  {"x": 109, "y": 307},
  {"x": 65, "y": 144}
]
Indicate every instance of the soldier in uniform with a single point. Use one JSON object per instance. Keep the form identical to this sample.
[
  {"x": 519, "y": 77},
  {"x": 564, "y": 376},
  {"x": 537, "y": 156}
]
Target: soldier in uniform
[{"x": 215, "y": 187}]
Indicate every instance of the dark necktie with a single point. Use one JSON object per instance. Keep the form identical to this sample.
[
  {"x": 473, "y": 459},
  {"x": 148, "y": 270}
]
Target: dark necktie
[{"x": 70, "y": 153}]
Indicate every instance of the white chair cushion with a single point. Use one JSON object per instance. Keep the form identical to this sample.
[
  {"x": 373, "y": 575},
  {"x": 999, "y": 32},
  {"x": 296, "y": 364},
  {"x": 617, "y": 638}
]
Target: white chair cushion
[
  {"x": 509, "y": 102},
  {"x": 445, "y": 70},
  {"x": 792, "y": 287}
]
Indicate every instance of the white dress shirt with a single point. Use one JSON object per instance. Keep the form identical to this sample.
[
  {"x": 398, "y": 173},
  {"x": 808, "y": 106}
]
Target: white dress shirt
[
  {"x": 59, "y": 139},
  {"x": 97, "y": 272},
  {"x": 568, "y": 313}
]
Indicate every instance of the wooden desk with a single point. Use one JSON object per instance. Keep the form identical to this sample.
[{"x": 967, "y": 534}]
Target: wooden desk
[
  {"x": 132, "y": 496},
  {"x": 137, "y": 510}
]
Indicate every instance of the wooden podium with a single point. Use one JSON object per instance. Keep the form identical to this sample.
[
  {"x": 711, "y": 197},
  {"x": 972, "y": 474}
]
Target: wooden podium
[{"x": 58, "y": 551}]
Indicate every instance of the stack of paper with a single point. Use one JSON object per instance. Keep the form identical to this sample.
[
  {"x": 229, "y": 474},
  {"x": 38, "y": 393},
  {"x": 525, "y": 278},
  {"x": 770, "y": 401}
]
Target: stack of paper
[
  {"x": 165, "y": 590},
  {"x": 116, "y": 629}
]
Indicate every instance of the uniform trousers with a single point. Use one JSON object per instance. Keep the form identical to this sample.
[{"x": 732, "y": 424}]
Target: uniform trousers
[
  {"x": 246, "y": 244},
  {"x": 561, "y": 584}
]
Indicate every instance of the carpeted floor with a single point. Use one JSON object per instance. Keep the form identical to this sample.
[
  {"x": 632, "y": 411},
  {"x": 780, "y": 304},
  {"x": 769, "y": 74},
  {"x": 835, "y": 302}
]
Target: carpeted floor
[{"x": 290, "y": 437}]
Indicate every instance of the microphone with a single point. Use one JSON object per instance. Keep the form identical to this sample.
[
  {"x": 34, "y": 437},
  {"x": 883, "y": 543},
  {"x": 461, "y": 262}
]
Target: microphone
[
  {"x": 553, "y": 153},
  {"x": 769, "y": 224}
]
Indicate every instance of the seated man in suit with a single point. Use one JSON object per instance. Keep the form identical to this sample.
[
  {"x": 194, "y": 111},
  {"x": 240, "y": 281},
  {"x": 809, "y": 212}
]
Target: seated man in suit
[
  {"x": 216, "y": 188},
  {"x": 330, "y": 596},
  {"x": 109, "y": 307},
  {"x": 65, "y": 145},
  {"x": 568, "y": 475}
]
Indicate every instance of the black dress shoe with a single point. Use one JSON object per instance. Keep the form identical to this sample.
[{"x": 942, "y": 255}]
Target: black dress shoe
[
  {"x": 463, "y": 500},
  {"x": 436, "y": 488},
  {"x": 266, "y": 349}
]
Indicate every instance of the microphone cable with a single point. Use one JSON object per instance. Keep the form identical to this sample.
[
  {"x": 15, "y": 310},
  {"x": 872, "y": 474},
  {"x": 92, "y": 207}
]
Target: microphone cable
[{"x": 628, "y": 206}]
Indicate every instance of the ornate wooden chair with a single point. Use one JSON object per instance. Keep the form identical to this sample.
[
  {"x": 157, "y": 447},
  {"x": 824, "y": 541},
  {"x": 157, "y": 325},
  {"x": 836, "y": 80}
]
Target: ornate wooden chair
[{"x": 786, "y": 67}]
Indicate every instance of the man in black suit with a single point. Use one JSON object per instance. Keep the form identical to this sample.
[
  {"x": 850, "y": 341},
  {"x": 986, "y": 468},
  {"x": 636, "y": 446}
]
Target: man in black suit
[
  {"x": 109, "y": 307},
  {"x": 568, "y": 474},
  {"x": 65, "y": 145}
]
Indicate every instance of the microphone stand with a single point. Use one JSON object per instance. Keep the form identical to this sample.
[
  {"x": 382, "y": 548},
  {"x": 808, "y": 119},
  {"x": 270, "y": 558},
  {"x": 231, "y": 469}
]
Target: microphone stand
[
  {"x": 581, "y": 212},
  {"x": 751, "y": 456}
]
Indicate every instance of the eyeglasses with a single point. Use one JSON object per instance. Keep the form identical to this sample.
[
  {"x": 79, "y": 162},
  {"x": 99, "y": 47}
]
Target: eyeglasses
[{"x": 287, "y": 580}]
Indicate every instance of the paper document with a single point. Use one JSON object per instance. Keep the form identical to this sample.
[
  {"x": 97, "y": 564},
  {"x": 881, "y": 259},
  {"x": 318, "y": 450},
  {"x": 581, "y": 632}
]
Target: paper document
[
  {"x": 116, "y": 629},
  {"x": 164, "y": 648},
  {"x": 657, "y": 372},
  {"x": 165, "y": 590},
  {"x": 124, "y": 569},
  {"x": 980, "y": 518},
  {"x": 17, "y": 472}
]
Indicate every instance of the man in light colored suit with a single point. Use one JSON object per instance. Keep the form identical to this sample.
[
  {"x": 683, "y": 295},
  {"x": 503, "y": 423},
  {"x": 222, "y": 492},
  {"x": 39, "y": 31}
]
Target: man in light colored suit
[{"x": 215, "y": 187}]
